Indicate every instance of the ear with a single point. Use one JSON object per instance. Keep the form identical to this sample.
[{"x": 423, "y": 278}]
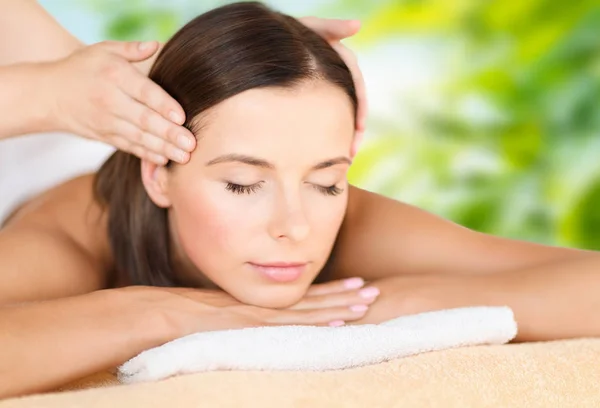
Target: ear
[{"x": 155, "y": 179}]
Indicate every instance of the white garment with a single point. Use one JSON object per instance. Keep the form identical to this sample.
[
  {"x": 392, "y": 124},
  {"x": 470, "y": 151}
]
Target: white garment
[
  {"x": 32, "y": 164},
  {"x": 322, "y": 348}
]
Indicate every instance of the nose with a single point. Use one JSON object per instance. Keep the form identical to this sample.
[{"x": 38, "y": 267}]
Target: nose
[{"x": 289, "y": 220}]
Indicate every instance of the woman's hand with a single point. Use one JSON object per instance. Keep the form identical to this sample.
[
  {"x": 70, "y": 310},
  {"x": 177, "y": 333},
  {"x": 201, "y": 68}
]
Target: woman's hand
[
  {"x": 334, "y": 31},
  {"x": 417, "y": 293},
  {"x": 98, "y": 93},
  {"x": 188, "y": 310}
]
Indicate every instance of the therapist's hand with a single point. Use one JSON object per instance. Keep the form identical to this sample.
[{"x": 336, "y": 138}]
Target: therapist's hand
[
  {"x": 99, "y": 94},
  {"x": 334, "y": 31}
]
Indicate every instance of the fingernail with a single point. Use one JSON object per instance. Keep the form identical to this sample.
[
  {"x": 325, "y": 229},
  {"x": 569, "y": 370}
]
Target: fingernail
[
  {"x": 337, "y": 323},
  {"x": 369, "y": 292},
  {"x": 359, "y": 308},
  {"x": 354, "y": 283},
  {"x": 143, "y": 46},
  {"x": 185, "y": 142},
  {"x": 176, "y": 117},
  {"x": 160, "y": 160},
  {"x": 179, "y": 156}
]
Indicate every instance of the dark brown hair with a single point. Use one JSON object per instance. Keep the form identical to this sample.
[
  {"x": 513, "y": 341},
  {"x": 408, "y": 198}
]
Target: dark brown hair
[{"x": 217, "y": 55}]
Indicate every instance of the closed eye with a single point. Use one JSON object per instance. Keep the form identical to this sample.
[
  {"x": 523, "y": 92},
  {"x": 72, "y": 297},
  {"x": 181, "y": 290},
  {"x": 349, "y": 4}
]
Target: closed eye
[
  {"x": 331, "y": 190},
  {"x": 241, "y": 189}
]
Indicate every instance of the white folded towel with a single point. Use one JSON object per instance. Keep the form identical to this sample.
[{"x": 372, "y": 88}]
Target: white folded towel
[{"x": 321, "y": 348}]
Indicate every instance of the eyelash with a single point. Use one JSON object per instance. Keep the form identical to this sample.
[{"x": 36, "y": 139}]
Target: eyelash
[
  {"x": 331, "y": 190},
  {"x": 240, "y": 189}
]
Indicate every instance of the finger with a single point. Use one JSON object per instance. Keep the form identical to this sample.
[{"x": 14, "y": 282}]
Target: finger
[
  {"x": 147, "y": 92},
  {"x": 356, "y": 297},
  {"x": 120, "y": 143},
  {"x": 152, "y": 145},
  {"x": 358, "y": 138},
  {"x": 137, "y": 150},
  {"x": 335, "y": 286},
  {"x": 359, "y": 83},
  {"x": 317, "y": 317},
  {"x": 177, "y": 141},
  {"x": 144, "y": 154},
  {"x": 331, "y": 29},
  {"x": 130, "y": 50},
  {"x": 146, "y": 65},
  {"x": 157, "y": 159}
]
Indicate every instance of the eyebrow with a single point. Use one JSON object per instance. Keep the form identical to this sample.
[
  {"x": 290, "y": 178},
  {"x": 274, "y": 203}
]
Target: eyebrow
[{"x": 255, "y": 161}]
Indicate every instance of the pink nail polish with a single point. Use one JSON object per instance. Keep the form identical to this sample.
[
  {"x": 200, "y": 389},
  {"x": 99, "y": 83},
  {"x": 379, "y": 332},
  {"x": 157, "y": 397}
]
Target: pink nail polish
[
  {"x": 370, "y": 292},
  {"x": 337, "y": 323},
  {"x": 359, "y": 308},
  {"x": 354, "y": 283}
]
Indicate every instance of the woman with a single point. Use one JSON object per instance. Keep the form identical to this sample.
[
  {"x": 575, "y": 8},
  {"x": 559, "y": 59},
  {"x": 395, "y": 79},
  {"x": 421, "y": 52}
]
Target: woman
[
  {"x": 100, "y": 92},
  {"x": 261, "y": 211}
]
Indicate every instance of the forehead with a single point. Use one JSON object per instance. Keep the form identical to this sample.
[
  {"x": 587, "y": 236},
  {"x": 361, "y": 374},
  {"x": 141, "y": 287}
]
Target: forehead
[{"x": 305, "y": 120}]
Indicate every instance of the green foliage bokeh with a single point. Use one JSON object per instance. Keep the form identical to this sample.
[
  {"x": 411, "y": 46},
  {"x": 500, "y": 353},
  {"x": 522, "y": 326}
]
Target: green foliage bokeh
[{"x": 528, "y": 167}]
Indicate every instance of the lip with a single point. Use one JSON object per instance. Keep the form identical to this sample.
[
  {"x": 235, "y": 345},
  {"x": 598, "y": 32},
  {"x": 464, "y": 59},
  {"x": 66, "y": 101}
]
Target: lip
[
  {"x": 279, "y": 264},
  {"x": 280, "y": 271}
]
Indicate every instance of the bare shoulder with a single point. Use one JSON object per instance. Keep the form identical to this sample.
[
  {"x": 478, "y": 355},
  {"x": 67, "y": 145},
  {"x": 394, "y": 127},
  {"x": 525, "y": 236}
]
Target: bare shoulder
[
  {"x": 55, "y": 245},
  {"x": 382, "y": 237}
]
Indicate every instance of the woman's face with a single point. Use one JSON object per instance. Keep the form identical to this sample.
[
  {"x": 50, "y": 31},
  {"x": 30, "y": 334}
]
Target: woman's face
[{"x": 257, "y": 209}]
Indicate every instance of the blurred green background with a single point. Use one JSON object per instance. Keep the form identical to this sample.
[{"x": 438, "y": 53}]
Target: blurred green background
[{"x": 483, "y": 112}]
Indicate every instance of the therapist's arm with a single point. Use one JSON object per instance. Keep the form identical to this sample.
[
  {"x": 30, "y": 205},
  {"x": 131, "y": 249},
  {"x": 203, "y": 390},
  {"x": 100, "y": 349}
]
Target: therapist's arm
[
  {"x": 29, "y": 33},
  {"x": 20, "y": 110},
  {"x": 95, "y": 93}
]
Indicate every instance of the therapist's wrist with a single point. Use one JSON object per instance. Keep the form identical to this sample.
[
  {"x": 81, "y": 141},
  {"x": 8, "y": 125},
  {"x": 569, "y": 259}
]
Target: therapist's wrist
[
  {"x": 24, "y": 100},
  {"x": 43, "y": 116}
]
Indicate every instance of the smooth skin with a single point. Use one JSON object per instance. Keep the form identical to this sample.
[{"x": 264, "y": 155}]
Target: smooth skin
[
  {"x": 54, "y": 262},
  {"x": 101, "y": 91}
]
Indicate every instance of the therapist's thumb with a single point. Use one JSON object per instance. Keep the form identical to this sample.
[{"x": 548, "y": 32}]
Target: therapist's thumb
[{"x": 130, "y": 50}]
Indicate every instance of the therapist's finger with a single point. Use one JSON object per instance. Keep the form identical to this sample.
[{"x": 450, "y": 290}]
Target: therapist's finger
[
  {"x": 146, "y": 91},
  {"x": 153, "y": 147},
  {"x": 331, "y": 29},
  {"x": 150, "y": 94},
  {"x": 136, "y": 84},
  {"x": 177, "y": 141},
  {"x": 132, "y": 51},
  {"x": 149, "y": 142},
  {"x": 359, "y": 84},
  {"x": 124, "y": 144}
]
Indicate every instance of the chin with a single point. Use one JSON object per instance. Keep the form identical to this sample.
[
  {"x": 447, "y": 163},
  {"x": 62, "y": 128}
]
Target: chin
[{"x": 280, "y": 297}]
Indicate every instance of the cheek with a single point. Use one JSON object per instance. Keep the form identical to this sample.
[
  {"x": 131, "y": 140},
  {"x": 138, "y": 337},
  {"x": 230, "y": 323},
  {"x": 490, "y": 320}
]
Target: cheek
[
  {"x": 211, "y": 228},
  {"x": 326, "y": 218}
]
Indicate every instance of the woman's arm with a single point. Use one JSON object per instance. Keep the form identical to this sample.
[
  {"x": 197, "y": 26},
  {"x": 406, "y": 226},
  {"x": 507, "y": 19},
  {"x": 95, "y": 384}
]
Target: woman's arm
[
  {"x": 381, "y": 237},
  {"x": 52, "y": 330},
  {"x": 554, "y": 301},
  {"x": 30, "y": 34},
  {"x": 550, "y": 302},
  {"x": 421, "y": 262},
  {"x": 47, "y": 344}
]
